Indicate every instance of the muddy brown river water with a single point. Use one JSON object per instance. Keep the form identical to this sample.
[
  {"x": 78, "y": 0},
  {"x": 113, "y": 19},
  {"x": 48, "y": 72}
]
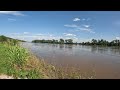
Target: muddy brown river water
[{"x": 105, "y": 61}]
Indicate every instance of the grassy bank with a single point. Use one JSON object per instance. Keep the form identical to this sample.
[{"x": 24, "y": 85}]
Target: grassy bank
[{"x": 17, "y": 62}]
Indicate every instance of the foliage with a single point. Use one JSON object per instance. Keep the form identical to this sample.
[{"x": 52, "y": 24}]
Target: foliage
[
  {"x": 13, "y": 60},
  {"x": 61, "y": 41},
  {"x": 11, "y": 41},
  {"x": 102, "y": 42}
]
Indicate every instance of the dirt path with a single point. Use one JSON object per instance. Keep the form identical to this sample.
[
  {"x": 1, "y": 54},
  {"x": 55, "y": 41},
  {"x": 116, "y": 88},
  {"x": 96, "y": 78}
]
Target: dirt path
[{"x": 6, "y": 77}]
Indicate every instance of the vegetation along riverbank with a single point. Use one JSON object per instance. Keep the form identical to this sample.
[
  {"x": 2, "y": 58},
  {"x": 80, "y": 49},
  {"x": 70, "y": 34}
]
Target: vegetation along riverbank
[
  {"x": 18, "y": 63},
  {"x": 101, "y": 42}
]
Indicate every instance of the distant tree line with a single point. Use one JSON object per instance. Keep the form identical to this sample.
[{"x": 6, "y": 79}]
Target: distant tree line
[
  {"x": 7, "y": 40},
  {"x": 101, "y": 42},
  {"x": 61, "y": 41}
]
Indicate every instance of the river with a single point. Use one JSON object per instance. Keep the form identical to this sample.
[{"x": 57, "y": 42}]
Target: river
[{"x": 105, "y": 61}]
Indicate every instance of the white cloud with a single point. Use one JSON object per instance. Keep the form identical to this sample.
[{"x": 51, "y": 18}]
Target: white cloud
[
  {"x": 27, "y": 36},
  {"x": 80, "y": 28},
  {"x": 51, "y": 35},
  {"x": 73, "y": 25},
  {"x": 76, "y": 19},
  {"x": 25, "y": 32},
  {"x": 118, "y": 38},
  {"x": 15, "y": 13},
  {"x": 39, "y": 34},
  {"x": 75, "y": 38},
  {"x": 86, "y": 26},
  {"x": 11, "y": 19},
  {"x": 69, "y": 34},
  {"x": 85, "y": 29},
  {"x": 48, "y": 34},
  {"x": 14, "y": 33}
]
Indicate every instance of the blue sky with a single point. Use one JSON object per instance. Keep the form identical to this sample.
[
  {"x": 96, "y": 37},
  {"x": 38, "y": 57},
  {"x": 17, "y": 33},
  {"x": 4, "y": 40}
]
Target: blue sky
[{"x": 77, "y": 25}]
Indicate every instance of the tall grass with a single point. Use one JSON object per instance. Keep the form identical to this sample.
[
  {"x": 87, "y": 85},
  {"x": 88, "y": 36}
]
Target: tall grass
[
  {"x": 18, "y": 55},
  {"x": 13, "y": 59}
]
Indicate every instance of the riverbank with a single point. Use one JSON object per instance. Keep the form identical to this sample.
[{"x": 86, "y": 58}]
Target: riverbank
[{"x": 18, "y": 62}]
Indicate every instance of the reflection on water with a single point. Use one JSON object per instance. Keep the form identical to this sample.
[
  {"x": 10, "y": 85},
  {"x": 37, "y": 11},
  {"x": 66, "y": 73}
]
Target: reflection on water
[
  {"x": 106, "y": 60},
  {"x": 68, "y": 46},
  {"x": 62, "y": 46},
  {"x": 77, "y": 49}
]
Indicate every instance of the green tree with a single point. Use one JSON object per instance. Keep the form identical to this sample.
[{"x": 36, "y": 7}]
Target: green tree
[
  {"x": 94, "y": 42},
  {"x": 61, "y": 41},
  {"x": 69, "y": 41},
  {"x": 56, "y": 41},
  {"x": 3, "y": 38}
]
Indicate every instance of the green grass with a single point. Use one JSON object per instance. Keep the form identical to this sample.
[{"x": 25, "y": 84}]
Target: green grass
[{"x": 13, "y": 59}]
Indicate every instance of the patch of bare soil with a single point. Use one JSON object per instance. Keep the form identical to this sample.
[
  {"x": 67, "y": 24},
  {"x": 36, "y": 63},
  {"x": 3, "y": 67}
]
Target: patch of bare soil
[{"x": 6, "y": 77}]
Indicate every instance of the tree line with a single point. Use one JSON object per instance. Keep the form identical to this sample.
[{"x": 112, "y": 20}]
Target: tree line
[
  {"x": 101, "y": 42},
  {"x": 8, "y": 40},
  {"x": 61, "y": 41}
]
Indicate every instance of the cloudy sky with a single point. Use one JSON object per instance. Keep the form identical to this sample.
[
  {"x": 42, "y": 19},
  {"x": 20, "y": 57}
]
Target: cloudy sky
[{"x": 77, "y": 25}]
